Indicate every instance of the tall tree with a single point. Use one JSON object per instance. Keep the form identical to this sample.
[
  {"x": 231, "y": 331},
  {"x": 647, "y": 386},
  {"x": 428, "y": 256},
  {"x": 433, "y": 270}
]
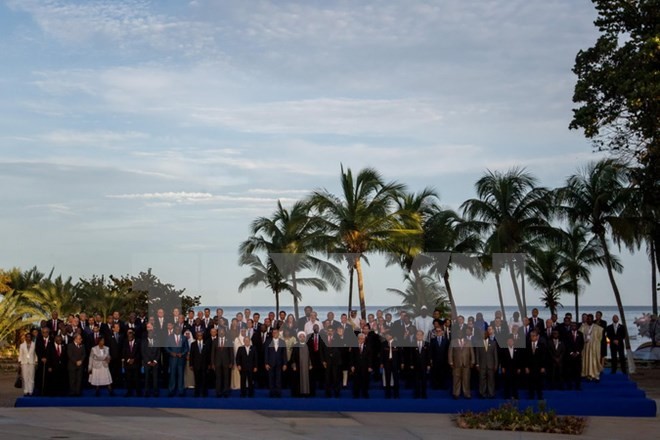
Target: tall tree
[
  {"x": 597, "y": 196},
  {"x": 511, "y": 211},
  {"x": 362, "y": 218},
  {"x": 291, "y": 237},
  {"x": 545, "y": 270},
  {"x": 422, "y": 292}
]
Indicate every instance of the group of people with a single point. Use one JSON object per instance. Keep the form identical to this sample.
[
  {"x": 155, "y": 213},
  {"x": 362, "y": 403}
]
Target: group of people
[{"x": 175, "y": 351}]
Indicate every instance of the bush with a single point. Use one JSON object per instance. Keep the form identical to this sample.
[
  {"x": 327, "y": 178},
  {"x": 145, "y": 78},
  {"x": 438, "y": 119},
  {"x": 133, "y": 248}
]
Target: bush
[{"x": 509, "y": 418}]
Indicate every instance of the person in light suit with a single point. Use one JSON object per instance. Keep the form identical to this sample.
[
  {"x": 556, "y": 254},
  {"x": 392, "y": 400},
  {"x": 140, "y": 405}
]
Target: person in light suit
[
  {"x": 461, "y": 360},
  {"x": 27, "y": 357},
  {"x": 177, "y": 349},
  {"x": 275, "y": 363}
]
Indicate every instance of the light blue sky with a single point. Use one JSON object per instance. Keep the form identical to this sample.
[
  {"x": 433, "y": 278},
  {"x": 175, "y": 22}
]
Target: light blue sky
[{"x": 138, "y": 134}]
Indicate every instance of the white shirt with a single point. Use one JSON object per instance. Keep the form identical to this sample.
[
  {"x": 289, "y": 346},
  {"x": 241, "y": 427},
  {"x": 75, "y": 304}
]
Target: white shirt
[
  {"x": 424, "y": 324},
  {"x": 309, "y": 326}
]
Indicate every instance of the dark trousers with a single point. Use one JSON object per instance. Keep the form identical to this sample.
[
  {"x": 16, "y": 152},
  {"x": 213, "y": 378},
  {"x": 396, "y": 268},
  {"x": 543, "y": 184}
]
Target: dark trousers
[
  {"x": 332, "y": 378},
  {"x": 222, "y": 381},
  {"x": 151, "y": 380},
  {"x": 392, "y": 379},
  {"x": 439, "y": 375},
  {"x": 510, "y": 385},
  {"x": 573, "y": 369},
  {"x": 247, "y": 382},
  {"x": 75, "y": 380},
  {"x": 535, "y": 384},
  {"x": 361, "y": 383},
  {"x": 275, "y": 381},
  {"x": 177, "y": 369},
  {"x": 132, "y": 379},
  {"x": 200, "y": 382},
  {"x": 555, "y": 375},
  {"x": 115, "y": 372},
  {"x": 618, "y": 355},
  {"x": 419, "y": 384}
]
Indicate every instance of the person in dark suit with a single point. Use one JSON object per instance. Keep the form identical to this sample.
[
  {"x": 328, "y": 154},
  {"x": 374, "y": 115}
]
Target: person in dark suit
[
  {"x": 392, "y": 358},
  {"x": 487, "y": 362},
  {"x": 177, "y": 349},
  {"x": 536, "y": 322},
  {"x": 331, "y": 361},
  {"x": 535, "y": 361},
  {"x": 116, "y": 345},
  {"x": 76, "y": 355},
  {"x": 222, "y": 360},
  {"x": 439, "y": 346},
  {"x": 275, "y": 363},
  {"x": 361, "y": 367},
  {"x": 246, "y": 362},
  {"x": 316, "y": 375},
  {"x": 54, "y": 323},
  {"x": 42, "y": 349},
  {"x": 511, "y": 362},
  {"x": 555, "y": 361},
  {"x": 134, "y": 324},
  {"x": 131, "y": 360},
  {"x": 419, "y": 361},
  {"x": 150, "y": 362},
  {"x": 616, "y": 333},
  {"x": 200, "y": 359},
  {"x": 573, "y": 357},
  {"x": 603, "y": 342},
  {"x": 57, "y": 367}
]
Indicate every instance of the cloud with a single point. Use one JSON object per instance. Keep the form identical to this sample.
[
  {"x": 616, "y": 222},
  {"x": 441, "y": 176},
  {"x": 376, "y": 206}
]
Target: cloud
[
  {"x": 182, "y": 197},
  {"x": 103, "y": 138}
]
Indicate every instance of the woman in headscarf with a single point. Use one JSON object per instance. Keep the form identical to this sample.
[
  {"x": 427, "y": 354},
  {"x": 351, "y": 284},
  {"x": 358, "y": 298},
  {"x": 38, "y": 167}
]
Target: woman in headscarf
[{"x": 301, "y": 363}]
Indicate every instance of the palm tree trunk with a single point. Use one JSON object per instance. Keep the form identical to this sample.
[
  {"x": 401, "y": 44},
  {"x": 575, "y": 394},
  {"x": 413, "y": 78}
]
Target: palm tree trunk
[
  {"x": 450, "y": 294},
  {"x": 576, "y": 292},
  {"x": 654, "y": 279},
  {"x": 277, "y": 304},
  {"x": 351, "y": 269},
  {"x": 522, "y": 285},
  {"x": 360, "y": 281},
  {"x": 499, "y": 293},
  {"x": 514, "y": 280},
  {"x": 294, "y": 284},
  {"x": 617, "y": 296}
]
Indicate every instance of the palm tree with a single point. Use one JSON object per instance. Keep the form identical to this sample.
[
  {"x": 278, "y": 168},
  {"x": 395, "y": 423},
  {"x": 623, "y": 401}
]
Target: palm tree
[
  {"x": 546, "y": 271},
  {"x": 578, "y": 252},
  {"x": 448, "y": 243},
  {"x": 510, "y": 211},
  {"x": 290, "y": 237},
  {"x": 420, "y": 292},
  {"x": 597, "y": 196},
  {"x": 362, "y": 219},
  {"x": 58, "y": 294},
  {"x": 15, "y": 313}
]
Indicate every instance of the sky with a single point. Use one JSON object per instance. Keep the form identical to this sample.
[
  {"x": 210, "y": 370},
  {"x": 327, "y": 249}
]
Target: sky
[{"x": 149, "y": 134}]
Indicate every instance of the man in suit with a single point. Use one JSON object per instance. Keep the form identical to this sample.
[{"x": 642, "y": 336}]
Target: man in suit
[
  {"x": 54, "y": 323},
  {"x": 535, "y": 366},
  {"x": 511, "y": 362},
  {"x": 392, "y": 361},
  {"x": 42, "y": 348},
  {"x": 361, "y": 367},
  {"x": 314, "y": 343},
  {"x": 331, "y": 361},
  {"x": 57, "y": 367},
  {"x": 131, "y": 360},
  {"x": 275, "y": 363},
  {"x": 617, "y": 334},
  {"x": 419, "y": 361},
  {"x": 134, "y": 324},
  {"x": 76, "y": 355},
  {"x": 461, "y": 360},
  {"x": 487, "y": 362},
  {"x": 177, "y": 349},
  {"x": 200, "y": 358},
  {"x": 555, "y": 361},
  {"x": 536, "y": 322},
  {"x": 246, "y": 362},
  {"x": 222, "y": 360},
  {"x": 116, "y": 345},
  {"x": 603, "y": 341},
  {"x": 573, "y": 358},
  {"x": 439, "y": 346},
  {"x": 150, "y": 362}
]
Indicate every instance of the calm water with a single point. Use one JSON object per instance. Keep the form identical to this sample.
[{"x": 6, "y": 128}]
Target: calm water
[{"x": 632, "y": 312}]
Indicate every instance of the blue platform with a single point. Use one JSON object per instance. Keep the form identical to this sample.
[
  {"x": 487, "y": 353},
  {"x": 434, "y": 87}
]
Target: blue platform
[{"x": 614, "y": 395}]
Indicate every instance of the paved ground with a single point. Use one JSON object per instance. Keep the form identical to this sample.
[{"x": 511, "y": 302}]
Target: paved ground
[{"x": 138, "y": 423}]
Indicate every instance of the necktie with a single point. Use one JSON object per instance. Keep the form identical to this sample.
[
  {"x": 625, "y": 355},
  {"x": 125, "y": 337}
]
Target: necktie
[
  {"x": 329, "y": 342},
  {"x": 361, "y": 347},
  {"x": 486, "y": 346},
  {"x": 556, "y": 344},
  {"x": 131, "y": 344},
  {"x": 58, "y": 350},
  {"x": 316, "y": 342},
  {"x": 151, "y": 342},
  {"x": 176, "y": 340},
  {"x": 390, "y": 350},
  {"x": 419, "y": 346},
  {"x": 534, "y": 347},
  {"x": 200, "y": 347},
  {"x": 222, "y": 342}
]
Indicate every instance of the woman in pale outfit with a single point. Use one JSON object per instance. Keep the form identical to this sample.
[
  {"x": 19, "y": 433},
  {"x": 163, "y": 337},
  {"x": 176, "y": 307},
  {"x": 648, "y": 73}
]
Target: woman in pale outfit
[
  {"x": 99, "y": 373},
  {"x": 28, "y": 360},
  {"x": 235, "y": 374},
  {"x": 189, "y": 375}
]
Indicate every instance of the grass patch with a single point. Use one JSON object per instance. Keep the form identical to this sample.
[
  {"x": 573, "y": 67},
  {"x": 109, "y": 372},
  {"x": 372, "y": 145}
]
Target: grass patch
[{"x": 508, "y": 417}]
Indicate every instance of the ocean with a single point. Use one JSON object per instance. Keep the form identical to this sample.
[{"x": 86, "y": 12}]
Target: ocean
[{"x": 632, "y": 312}]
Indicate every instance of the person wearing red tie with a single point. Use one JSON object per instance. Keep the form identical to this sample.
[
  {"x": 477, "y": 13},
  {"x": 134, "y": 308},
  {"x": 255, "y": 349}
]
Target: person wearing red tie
[
  {"x": 131, "y": 360},
  {"x": 361, "y": 367},
  {"x": 331, "y": 361},
  {"x": 573, "y": 357},
  {"x": 317, "y": 374},
  {"x": 57, "y": 364}
]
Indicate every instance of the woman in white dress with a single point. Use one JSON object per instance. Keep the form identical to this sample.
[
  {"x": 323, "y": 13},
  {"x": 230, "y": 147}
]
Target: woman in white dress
[
  {"x": 99, "y": 373},
  {"x": 235, "y": 374},
  {"x": 189, "y": 375},
  {"x": 28, "y": 360}
]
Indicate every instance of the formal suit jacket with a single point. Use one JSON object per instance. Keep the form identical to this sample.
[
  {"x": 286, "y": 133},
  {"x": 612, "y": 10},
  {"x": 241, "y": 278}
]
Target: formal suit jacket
[
  {"x": 56, "y": 361},
  {"x": 222, "y": 357},
  {"x": 439, "y": 350},
  {"x": 181, "y": 348},
  {"x": 361, "y": 361},
  {"x": 511, "y": 364},
  {"x": 461, "y": 357},
  {"x": 275, "y": 358},
  {"x": 619, "y": 335},
  {"x": 398, "y": 354},
  {"x": 54, "y": 327},
  {"x": 42, "y": 346},
  {"x": 419, "y": 360},
  {"x": 535, "y": 359},
  {"x": 331, "y": 353},
  {"x": 574, "y": 345},
  {"x": 116, "y": 347},
  {"x": 75, "y": 354},
  {"x": 539, "y": 326},
  {"x": 150, "y": 354},
  {"x": 487, "y": 358},
  {"x": 200, "y": 360},
  {"x": 135, "y": 353},
  {"x": 556, "y": 355},
  {"x": 246, "y": 361}
]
